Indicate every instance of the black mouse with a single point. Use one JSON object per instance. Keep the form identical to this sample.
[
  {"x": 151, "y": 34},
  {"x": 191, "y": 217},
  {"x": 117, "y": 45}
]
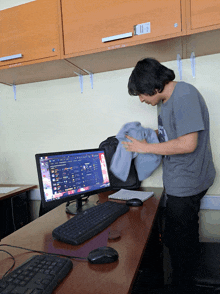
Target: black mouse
[
  {"x": 102, "y": 255},
  {"x": 134, "y": 202}
]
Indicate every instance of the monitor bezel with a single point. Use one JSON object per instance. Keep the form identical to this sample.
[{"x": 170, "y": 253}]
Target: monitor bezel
[{"x": 47, "y": 204}]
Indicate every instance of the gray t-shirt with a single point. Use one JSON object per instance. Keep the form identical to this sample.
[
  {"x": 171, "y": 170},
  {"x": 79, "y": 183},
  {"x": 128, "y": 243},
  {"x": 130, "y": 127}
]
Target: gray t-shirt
[{"x": 186, "y": 112}]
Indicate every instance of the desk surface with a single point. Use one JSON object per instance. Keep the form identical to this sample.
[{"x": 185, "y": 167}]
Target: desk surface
[
  {"x": 118, "y": 277},
  {"x": 20, "y": 189}
]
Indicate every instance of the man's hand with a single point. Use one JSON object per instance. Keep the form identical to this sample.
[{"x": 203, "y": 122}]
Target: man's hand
[{"x": 135, "y": 145}]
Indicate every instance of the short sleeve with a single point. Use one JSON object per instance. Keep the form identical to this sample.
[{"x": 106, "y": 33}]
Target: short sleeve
[{"x": 187, "y": 111}]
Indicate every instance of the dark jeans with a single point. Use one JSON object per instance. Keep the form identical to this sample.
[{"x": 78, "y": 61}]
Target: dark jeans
[{"x": 181, "y": 235}]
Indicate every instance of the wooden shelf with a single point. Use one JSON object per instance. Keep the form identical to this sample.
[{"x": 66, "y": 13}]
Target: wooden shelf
[
  {"x": 44, "y": 71},
  {"x": 203, "y": 43},
  {"x": 127, "y": 57}
]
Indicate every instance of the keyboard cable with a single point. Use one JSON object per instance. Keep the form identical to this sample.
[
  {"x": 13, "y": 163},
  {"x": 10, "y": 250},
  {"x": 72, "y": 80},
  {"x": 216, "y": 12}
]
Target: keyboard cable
[{"x": 37, "y": 251}]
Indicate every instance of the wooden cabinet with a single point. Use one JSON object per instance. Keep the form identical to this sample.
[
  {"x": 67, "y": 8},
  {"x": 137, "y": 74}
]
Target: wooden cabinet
[
  {"x": 203, "y": 27},
  {"x": 63, "y": 38},
  {"x": 29, "y": 33},
  {"x": 86, "y": 23},
  {"x": 202, "y": 15}
]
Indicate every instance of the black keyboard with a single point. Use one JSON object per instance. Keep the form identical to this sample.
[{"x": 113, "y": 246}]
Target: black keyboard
[
  {"x": 89, "y": 223},
  {"x": 40, "y": 274}
]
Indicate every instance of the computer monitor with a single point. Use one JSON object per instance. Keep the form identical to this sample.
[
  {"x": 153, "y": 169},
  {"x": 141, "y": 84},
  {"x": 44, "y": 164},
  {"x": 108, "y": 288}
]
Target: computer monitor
[{"x": 72, "y": 175}]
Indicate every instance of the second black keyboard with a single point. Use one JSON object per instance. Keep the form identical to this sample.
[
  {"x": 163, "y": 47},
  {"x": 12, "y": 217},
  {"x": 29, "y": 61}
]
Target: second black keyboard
[
  {"x": 89, "y": 223},
  {"x": 40, "y": 274}
]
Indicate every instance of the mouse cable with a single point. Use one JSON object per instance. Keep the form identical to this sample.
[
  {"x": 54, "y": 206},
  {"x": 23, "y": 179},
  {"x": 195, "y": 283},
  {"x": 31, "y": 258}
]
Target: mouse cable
[
  {"x": 37, "y": 251},
  {"x": 43, "y": 252}
]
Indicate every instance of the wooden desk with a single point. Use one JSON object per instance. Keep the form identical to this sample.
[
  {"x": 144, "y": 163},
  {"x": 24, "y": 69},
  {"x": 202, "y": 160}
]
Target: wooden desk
[
  {"x": 21, "y": 189},
  {"x": 116, "y": 278},
  {"x": 14, "y": 208}
]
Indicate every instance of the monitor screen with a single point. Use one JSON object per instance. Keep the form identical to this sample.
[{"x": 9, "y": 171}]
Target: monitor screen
[{"x": 71, "y": 175}]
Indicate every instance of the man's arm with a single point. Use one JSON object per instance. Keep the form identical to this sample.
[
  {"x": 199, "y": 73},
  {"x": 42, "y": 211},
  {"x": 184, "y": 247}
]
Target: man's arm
[{"x": 181, "y": 145}]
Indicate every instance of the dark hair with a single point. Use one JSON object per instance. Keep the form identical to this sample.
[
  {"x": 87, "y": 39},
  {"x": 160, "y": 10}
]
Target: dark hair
[{"x": 148, "y": 77}]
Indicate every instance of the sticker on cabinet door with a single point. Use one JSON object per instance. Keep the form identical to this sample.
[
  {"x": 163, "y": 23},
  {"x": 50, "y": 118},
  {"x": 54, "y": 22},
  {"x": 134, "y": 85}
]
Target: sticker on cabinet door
[
  {"x": 143, "y": 28},
  {"x": 12, "y": 3}
]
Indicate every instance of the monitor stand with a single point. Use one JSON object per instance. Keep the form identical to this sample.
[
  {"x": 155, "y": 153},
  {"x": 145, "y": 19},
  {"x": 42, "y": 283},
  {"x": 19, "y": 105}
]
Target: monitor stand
[{"x": 78, "y": 206}]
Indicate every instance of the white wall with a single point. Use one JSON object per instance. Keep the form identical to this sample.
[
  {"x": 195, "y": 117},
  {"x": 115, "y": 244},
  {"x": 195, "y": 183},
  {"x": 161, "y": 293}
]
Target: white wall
[
  {"x": 55, "y": 116},
  {"x": 11, "y": 3}
]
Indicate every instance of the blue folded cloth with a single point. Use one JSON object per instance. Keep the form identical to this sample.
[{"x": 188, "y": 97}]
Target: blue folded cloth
[{"x": 145, "y": 164}]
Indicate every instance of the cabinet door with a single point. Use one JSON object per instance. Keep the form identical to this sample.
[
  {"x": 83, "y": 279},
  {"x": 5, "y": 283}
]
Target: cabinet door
[
  {"x": 86, "y": 23},
  {"x": 204, "y": 13},
  {"x": 29, "y": 32}
]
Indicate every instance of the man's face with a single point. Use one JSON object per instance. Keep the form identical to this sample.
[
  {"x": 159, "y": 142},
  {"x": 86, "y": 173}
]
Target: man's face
[{"x": 152, "y": 100}]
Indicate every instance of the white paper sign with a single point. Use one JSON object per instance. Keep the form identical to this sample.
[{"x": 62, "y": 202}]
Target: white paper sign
[
  {"x": 143, "y": 28},
  {"x": 5, "y": 4}
]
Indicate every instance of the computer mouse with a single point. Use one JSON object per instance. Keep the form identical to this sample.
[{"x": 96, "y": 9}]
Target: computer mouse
[
  {"x": 134, "y": 202},
  {"x": 102, "y": 255}
]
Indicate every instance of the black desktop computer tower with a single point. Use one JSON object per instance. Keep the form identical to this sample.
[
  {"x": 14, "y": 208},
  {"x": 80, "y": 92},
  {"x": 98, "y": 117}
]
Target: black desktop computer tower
[
  {"x": 20, "y": 211},
  {"x": 14, "y": 214}
]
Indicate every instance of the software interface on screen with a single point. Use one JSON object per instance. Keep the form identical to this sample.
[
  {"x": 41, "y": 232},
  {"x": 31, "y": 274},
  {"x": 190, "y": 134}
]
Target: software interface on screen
[{"x": 66, "y": 175}]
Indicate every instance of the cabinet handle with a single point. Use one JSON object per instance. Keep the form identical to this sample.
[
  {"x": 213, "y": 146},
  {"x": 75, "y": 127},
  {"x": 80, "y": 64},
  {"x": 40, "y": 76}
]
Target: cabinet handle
[
  {"x": 117, "y": 37},
  {"x": 11, "y": 57}
]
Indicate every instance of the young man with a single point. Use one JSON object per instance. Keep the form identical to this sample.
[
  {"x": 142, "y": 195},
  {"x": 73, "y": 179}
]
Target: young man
[{"x": 188, "y": 169}]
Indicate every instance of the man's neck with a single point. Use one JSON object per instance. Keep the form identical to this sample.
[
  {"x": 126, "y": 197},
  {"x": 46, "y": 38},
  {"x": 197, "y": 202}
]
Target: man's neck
[{"x": 168, "y": 91}]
